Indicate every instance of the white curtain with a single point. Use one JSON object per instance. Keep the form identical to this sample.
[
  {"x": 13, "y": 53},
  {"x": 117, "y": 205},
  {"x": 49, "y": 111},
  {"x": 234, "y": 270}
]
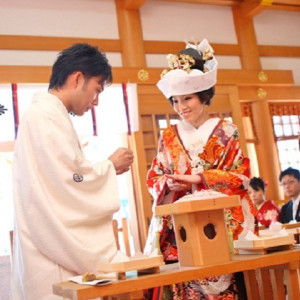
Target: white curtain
[{"x": 7, "y": 128}]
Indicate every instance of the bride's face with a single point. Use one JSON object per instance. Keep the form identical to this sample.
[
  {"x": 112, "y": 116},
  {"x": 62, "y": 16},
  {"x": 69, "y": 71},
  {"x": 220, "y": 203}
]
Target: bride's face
[{"x": 189, "y": 107}]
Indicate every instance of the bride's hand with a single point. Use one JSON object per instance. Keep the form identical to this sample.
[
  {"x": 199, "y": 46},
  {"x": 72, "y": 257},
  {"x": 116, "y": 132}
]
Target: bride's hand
[
  {"x": 177, "y": 182},
  {"x": 176, "y": 186},
  {"x": 191, "y": 179}
]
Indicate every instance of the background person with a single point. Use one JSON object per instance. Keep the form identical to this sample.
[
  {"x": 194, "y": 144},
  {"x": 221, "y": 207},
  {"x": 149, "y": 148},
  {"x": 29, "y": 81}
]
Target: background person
[
  {"x": 290, "y": 181},
  {"x": 198, "y": 153},
  {"x": 267, "y": 210},
  {"x": 63, "y": 203}
]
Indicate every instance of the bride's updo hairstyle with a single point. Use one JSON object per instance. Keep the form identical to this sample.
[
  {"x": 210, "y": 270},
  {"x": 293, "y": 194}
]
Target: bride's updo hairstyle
[{"x": 192, "y": 70}]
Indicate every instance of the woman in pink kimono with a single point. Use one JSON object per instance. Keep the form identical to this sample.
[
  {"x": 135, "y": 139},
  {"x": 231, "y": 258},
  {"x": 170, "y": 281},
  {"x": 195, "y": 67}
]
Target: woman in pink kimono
[
  {"x": 267, "y": 210},
  {"x": 197, "y": 153}
]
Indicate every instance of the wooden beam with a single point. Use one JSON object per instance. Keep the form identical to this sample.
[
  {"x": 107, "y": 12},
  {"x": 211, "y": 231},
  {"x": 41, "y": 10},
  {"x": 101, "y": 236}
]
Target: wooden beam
[
  {"x": 209, "y": 2},
  {"x": 44, "y": 43},
  {"x": 25, "y": 74},
  {"x": 132, "y": 4},
  {"x": 273, "y": 93},
  {"x": 287, "y": 2},
  {"x": 41, "y": 74},
  {"x": 285, "y": 7},
  {"x": 252, "y": 8},
  {"x": 251, "y": 77},
  {"x": 279, "y": 51},
  {"x": 161, "y": 47}
]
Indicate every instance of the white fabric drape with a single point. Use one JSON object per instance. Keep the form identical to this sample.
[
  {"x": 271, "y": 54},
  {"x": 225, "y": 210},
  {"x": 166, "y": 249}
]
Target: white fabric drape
[
  {"x": 133, "y": 106},
  {"x": 7, "y": 128}
]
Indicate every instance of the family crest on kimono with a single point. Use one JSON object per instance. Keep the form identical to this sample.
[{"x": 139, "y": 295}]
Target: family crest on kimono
[{"x": 197, "y": 153}]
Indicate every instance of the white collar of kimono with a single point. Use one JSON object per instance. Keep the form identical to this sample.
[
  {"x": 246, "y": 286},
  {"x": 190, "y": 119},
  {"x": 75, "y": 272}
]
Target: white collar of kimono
[
  {"x": 194, "y": 139},
  {"x": 49, "y": 99}
]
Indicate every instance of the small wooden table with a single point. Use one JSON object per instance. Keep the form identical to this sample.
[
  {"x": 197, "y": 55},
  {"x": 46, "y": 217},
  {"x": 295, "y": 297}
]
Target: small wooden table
[{"x": 270, "y": 270}]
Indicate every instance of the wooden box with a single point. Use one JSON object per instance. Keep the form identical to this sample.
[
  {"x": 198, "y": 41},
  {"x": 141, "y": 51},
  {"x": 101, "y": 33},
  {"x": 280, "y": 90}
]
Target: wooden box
[{"x": 200, "y": 229}]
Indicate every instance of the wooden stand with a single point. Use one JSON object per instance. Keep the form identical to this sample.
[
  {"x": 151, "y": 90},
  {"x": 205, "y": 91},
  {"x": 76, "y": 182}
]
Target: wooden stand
[
  {"x": 265, "y": 245},
  {"x": 147, "y": 265},
  {"x": 200, "y": 229}
]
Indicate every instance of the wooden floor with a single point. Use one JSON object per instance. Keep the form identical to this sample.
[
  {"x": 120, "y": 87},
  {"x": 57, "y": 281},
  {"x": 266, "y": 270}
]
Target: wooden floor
[{"x": 5, "y": 277}]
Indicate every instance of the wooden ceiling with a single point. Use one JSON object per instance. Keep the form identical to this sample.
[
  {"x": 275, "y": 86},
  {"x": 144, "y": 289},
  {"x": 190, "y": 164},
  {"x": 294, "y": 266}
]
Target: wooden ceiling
[{"x": 250, "y": 7}]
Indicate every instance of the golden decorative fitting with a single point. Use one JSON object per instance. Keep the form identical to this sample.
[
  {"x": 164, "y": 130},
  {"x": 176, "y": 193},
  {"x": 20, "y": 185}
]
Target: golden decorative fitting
[
  {"x": 262, "y": 76},
  {"x": 266, "y": 2},
  {"x": 261, "y": 93},
  {"x": 143, "y": 75}
]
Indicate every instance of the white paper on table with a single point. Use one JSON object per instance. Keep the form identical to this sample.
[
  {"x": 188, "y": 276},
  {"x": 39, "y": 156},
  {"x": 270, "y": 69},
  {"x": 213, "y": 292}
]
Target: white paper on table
[
  {"x": 203, "y": 194},
  {"x": 250, "y": 236},
  {"x": 103, "y": 281}
]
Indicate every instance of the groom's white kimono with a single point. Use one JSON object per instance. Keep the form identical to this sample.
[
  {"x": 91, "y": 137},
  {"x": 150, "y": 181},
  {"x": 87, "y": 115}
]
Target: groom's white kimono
[{"x": 63, "y": 203}]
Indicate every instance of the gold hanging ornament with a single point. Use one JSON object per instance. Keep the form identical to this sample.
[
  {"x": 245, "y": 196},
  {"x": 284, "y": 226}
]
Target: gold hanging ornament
[
  {"x": 143, "y": 75},
  {"x": 261, "y": 93},
  {"x": 262, "y": 76}
]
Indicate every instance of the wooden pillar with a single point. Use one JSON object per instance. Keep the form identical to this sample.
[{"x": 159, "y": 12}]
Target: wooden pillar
[
  {"x": 133, "y": 55},
  {"x": 246, "y": 39},
  {"x": 267, "y": 156},
  {"x": 237, "y": 116},
  {"x": 131, "y": 36},
  {"x": 266, "y": 149}
]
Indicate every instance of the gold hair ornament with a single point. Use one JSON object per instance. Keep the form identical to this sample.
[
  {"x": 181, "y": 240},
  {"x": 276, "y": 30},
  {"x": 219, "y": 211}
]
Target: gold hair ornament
[{"x": 185, "y": 62}]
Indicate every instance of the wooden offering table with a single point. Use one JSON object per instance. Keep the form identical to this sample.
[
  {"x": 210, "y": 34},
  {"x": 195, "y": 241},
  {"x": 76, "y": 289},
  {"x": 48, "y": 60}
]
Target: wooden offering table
[
  {"x": 265, "y": 276},
  {"x": 200, "y": 228}
]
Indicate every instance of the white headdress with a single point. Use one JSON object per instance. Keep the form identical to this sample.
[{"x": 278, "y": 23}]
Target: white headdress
[{"x": 181, "y": 79}]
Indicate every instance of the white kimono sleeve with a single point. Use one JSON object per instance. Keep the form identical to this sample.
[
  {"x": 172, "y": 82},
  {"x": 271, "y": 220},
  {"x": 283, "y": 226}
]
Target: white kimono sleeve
[{"x": 66, "y": 203}]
